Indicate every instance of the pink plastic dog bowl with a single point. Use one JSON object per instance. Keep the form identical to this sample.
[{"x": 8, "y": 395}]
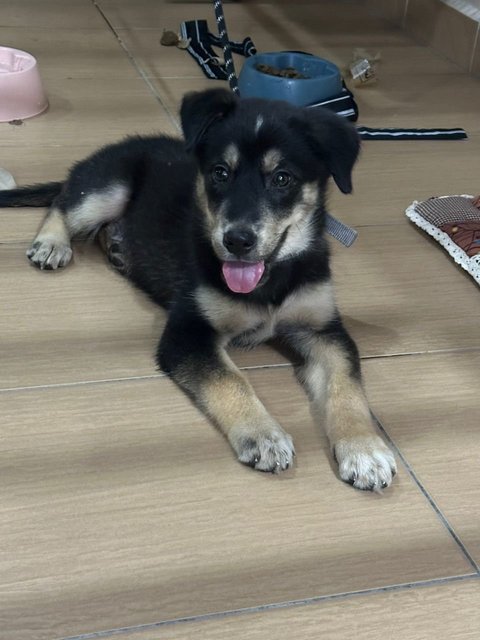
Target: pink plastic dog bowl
[{"x": 21, "y": 91}]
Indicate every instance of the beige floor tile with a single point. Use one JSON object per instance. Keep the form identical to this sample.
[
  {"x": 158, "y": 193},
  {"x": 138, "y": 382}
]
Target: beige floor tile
[
  {"x": 430, "y": 405},
  {"x": 72, "y": 53},
  {"x": 445, "y": 611},
  {"x": 279, "y": 18},
  {"x": 34, "y": 163},
  {"x": 123, "y": 14},
  {"x": 390, "y": 175},
  {"x": 400, "y": 292},
  {"x": 391, "y": 10},
  {"x": 89, "y": 112},
  {"x": 61, "y": 14},
  {"x": 84, "y": 323},
  {"x": 19, "y": 225},
  {"x": 443, "y": 101},
  {"x": 103, "y": 525}
]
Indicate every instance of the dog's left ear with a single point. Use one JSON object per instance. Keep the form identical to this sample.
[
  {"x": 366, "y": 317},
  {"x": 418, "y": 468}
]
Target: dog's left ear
[
  {"x": 199, "y": 111},
  {"x": 334, "y": 139}
]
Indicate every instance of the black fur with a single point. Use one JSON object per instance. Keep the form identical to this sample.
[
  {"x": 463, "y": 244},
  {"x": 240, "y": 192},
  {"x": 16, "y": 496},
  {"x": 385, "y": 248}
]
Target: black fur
[
  {"x": 41, "y": 195},
  {"x": 164, "y": 233},
  {"x": 164, "y": 237}
]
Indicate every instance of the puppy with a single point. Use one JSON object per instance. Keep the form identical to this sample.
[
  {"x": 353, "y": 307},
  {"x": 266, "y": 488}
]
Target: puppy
[{"x": 226, "y": 231}]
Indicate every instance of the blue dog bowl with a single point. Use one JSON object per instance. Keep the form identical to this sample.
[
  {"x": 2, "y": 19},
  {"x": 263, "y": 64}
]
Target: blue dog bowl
[{"x": 322, "y": 78}]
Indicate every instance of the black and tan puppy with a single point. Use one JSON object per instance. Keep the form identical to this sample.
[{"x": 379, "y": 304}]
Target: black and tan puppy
[{"x": 226, "y": 230}]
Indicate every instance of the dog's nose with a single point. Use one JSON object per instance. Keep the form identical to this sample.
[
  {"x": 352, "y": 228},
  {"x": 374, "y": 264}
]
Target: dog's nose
[{"x": 239, "y": 241}]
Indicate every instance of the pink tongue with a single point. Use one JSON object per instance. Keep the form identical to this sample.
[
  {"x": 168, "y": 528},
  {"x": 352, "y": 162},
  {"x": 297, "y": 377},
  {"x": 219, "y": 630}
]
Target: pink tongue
[{"x": 242, "y": 277}]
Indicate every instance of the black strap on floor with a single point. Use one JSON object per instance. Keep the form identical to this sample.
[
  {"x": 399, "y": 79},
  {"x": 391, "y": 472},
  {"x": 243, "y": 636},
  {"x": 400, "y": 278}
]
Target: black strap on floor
[
  {"x": 369, "y": 133},
  {"x": 342, "y": 104}
]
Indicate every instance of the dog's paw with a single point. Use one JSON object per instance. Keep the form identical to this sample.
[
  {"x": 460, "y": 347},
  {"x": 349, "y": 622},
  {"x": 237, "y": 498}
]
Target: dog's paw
[
  {"x": 48, "y": 254},
  {"x": 117, "y": 258},
  {"x": 365, "y": 462},
  {"x": 112, "y": 241},
  {"x": 270, "y": 450}
]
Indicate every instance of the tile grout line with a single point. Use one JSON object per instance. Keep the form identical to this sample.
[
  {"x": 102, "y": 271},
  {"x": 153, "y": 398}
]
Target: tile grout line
[
  {"x": 431, "y": 352},
  {"x": 288, "y": 604},
  {"x": 152, "y": 376},
  {"x": 443, "y": 519},
  {"x": 251, "y": 367},
  {"x": 136, "y": 66}
]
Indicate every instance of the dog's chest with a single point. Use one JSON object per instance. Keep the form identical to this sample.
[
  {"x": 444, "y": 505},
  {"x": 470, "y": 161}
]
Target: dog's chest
[{"x": 248, "y": 325}]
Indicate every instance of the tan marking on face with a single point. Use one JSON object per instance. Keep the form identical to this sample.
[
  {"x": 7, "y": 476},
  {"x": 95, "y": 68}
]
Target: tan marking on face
[
  {"x": 309, "y": 194},
  {"x": 202, "y": 202},
  {"x": 231, "y": 156},
  {"x": 271, "y": 160},
  {"x": 300, "y": 234}
]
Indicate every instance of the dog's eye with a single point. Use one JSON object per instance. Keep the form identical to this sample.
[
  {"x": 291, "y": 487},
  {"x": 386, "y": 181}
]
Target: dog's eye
[
  {"x": 220, "y": 173},
  {"x": 281, "y": 179}
]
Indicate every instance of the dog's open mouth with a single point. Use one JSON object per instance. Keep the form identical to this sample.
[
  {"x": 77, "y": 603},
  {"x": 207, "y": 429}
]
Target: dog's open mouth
[{"x": 242, "y": 277}]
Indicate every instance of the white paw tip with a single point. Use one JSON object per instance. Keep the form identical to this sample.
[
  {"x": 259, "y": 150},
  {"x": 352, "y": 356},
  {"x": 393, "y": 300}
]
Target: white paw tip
[{"x": 366, "y": 463}]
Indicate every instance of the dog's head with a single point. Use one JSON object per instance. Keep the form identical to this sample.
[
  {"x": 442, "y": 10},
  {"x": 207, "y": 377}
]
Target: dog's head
[{"x": 264, "y": 168}]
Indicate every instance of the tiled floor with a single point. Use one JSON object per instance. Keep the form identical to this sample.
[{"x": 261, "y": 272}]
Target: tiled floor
[{"x": 122, "y": 511}]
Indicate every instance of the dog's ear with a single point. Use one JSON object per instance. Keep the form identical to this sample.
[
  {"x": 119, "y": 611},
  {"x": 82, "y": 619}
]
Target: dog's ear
[
  {"x": 200, "y": 109},
  {"x": 334, "y": 139}
]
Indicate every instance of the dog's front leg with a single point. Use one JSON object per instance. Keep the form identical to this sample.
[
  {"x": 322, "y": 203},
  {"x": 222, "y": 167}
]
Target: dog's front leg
[
  {"x": 190, "y": 352},
  {"x": 330, "y": 373}
]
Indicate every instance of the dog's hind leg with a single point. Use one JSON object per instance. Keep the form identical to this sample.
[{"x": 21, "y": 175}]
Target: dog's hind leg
[{"x": 75, "y": 213}]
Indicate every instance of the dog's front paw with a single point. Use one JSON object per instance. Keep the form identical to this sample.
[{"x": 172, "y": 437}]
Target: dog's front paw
[
  {"x": 365, "y": 462},
  {"x": 265, "y": 450},
  {"x": 48, "y": 254}
]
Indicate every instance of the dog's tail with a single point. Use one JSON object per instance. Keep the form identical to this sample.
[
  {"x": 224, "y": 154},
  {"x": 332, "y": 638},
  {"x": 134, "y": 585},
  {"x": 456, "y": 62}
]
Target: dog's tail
[{"x": 38, "y": 195}]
